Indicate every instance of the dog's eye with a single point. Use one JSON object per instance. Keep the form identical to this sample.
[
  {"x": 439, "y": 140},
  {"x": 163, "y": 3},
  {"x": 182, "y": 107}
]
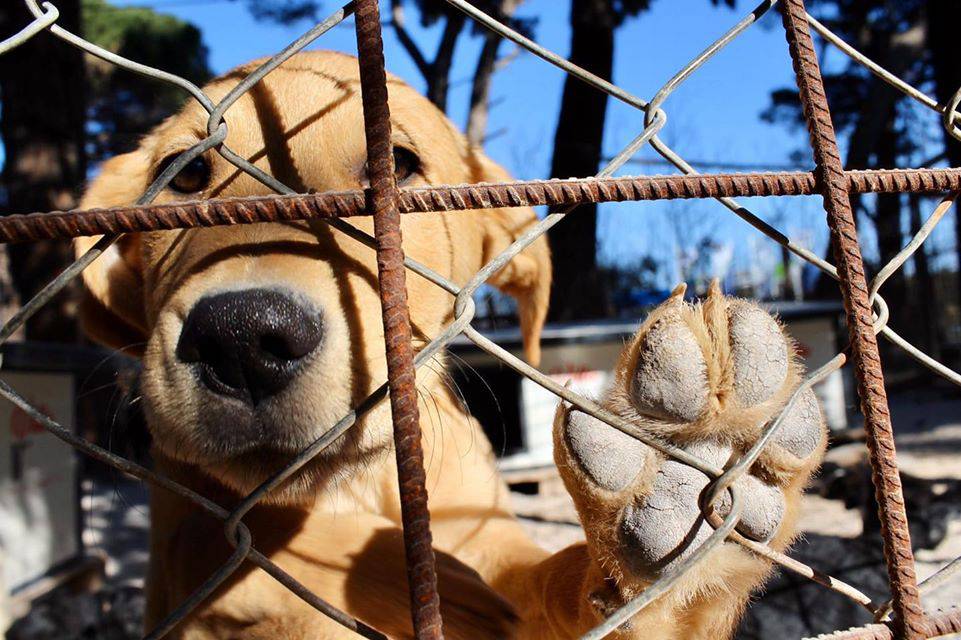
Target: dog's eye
[
  {"x": 192, "y": 178},
  {"x": 406, "y": 164}
]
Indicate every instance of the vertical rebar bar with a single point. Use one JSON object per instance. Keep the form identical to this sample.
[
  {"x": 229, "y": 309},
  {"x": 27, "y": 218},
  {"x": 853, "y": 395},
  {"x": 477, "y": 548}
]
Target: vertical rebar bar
[
  {"x": 909, "y": 616},
  {"x": 421, "y": 570}
]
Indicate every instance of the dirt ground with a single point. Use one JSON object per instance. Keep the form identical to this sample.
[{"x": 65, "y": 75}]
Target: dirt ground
[{"x": 839, "y": 538}]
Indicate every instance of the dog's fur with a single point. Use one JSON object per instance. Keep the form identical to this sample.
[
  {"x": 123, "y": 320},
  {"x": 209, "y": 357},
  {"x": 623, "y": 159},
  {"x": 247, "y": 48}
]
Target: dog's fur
[{"x": 335, "y": 526}]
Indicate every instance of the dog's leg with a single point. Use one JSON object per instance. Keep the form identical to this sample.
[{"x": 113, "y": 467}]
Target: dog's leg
[{"x": 706, "y": 378}]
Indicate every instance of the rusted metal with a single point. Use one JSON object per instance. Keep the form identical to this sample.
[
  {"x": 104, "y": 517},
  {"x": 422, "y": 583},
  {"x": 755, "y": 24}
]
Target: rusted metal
[
  {"x": 446, "y": 198},
  {"x": 938, "y": 624},
  {"x": 909, "y": 616},
  {"x": 382, "y": 204}
]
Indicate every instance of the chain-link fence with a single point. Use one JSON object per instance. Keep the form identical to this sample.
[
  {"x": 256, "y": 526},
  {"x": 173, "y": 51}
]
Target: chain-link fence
[{"x": 866, "y": 311}]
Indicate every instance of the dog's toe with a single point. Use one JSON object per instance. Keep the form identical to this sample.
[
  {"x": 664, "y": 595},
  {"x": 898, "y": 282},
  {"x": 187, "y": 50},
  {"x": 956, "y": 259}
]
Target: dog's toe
[
  {"x": 670, "y": 376},
  {"x": 759, "y": 352},
  {"x": 800, "y": 432},
  {"x": 610, "y": 458},
  {"x": 666, "y": 525}
]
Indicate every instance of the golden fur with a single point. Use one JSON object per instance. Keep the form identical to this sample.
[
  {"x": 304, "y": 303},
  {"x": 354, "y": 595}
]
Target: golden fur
[{"x": 336, "y": 526}]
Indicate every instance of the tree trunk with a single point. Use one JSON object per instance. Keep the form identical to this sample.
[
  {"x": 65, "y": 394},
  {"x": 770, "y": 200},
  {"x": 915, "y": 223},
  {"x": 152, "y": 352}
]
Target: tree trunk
[
  {"x": 483, "y": 76},
  {"x": 438, "y": 82},
  {"x": 578, "y": 291},
  {"x": 437, "y": 72},
  {"x": 877, "y": 111},
  {"x": 945, "y": 50},
  {"x": 42, "y": 126},
  {"x": 480, "y": 91},
  {"x": 788, "y": 293},
  {"x": 887, "y": 223},
  {"x": 924, "y": 288}
]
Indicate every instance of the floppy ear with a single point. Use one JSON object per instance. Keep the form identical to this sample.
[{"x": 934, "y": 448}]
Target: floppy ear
[
  {"x": 527, "y": 277},
  {"x": 112, "y": 308}
]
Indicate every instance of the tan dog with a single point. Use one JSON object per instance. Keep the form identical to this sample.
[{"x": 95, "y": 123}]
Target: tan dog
[{"x": 256, "y": 339}]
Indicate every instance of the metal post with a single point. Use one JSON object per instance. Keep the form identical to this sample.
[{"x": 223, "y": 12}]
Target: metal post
[
  {"x": 909, "y": 616},
  {"x": 421, "y": 570}
]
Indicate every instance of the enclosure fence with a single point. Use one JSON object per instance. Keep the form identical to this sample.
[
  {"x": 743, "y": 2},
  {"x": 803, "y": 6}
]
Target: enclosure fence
[{"x": 866, "y": 312}]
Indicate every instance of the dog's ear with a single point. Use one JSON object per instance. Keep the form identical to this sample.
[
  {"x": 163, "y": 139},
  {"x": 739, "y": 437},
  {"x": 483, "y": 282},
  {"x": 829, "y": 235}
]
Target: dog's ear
[
  {"x": 112, "y": 308},
  {"x": 527, "y": 277}
]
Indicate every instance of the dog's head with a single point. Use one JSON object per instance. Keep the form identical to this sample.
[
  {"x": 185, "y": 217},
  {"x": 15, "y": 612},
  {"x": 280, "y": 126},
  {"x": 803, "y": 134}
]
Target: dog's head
[{"x": 256, "y": 339}]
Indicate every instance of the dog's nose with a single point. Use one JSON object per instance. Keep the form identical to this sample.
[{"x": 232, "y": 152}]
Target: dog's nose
[{"x": 249, "y": 344}]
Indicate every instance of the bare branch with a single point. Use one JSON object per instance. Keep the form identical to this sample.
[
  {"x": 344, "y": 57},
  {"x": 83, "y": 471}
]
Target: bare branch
[
  {"x": 438, "y": 82},
  {"x": 406, "y": 41},
  {"x": 487, "y": 66},
  {"x": 480, "y": 91},
  {"x": 503, "y": 63}
]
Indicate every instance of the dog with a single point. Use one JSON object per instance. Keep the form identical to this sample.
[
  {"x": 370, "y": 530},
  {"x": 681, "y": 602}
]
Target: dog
[{"x": 256, "y": 339}]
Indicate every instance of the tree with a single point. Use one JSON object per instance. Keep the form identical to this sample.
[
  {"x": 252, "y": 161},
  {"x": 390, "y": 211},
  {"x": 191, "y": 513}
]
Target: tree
[
  {"x": 43, "y": 95},
  {"x": 283, "y": 11},
  {"x": 436, "y": 69},
  {"x": 578, "y": 292},
  {"x": 124, "y": 105},
  {"x": 944, "y": 51},
  {"x": 487, "y": 64},
  {"x": 873, "y": 117}
]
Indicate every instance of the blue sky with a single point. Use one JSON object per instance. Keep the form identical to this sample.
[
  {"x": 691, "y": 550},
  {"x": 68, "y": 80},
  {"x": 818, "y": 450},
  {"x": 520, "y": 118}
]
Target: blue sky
[{"x": 713, "y": 116}]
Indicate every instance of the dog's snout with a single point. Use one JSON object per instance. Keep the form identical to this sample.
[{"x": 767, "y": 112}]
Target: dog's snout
[{"x": 249, "y": 344}]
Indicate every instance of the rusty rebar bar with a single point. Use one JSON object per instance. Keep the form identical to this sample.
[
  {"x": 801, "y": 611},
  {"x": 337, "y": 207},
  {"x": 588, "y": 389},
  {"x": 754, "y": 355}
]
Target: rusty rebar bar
[
  {"x": 446, "y": 198},
  {"x": 382, "y": 204},
  {"x": 939, "y": 624},
  {"x": 909, "y": 616}
]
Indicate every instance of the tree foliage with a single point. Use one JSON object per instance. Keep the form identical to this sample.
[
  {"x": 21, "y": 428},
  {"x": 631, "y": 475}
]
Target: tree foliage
[
  {"x": 886, "y": 32},
  {"x": 123, "y": 105},
  {"x": 879, "y": 127},
  {"x": 434, "y": 11},
  {"x": 283, "y": 11}
]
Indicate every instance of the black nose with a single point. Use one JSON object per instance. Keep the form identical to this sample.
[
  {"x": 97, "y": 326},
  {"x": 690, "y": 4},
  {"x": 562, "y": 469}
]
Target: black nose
[{"x": 249, "y": 344}]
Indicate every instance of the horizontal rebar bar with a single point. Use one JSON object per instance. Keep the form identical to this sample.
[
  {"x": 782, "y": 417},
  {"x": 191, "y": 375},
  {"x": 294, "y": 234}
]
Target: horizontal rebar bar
[
  {"x": 941, "y": 623},
  {"x": 343, "y": 204}
]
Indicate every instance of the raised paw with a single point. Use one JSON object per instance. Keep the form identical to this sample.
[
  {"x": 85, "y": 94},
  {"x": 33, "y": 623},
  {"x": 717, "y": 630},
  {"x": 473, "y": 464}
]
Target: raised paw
[{"x": 705, "y": 377}]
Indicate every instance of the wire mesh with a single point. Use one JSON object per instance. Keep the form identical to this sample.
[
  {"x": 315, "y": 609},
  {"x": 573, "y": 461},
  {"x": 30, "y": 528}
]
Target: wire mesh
[{"x": 867, "y": 312}]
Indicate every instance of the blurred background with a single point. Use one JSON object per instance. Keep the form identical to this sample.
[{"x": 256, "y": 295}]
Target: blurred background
[{"x": 62, "y": 113}]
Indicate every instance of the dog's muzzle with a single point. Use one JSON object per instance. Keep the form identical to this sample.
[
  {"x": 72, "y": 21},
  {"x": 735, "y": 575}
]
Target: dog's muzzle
[{"x": 249, "y": 344}]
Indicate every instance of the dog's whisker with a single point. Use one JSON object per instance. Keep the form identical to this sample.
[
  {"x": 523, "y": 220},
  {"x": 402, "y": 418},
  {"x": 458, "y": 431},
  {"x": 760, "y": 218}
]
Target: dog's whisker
[
  {"x": 454, "y": 387},
  {"x": 435, "y": 431},
  {"x": 457, "y": 396},
  {"x": 107, "y": 358},
  {"x": 461, "y": 364}
]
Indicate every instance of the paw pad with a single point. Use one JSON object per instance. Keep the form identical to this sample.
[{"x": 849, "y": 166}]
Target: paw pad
[
  {"x": 759, "y": 352},
  {"x": 611, "y": 458},
  {"x": 800, "y": 433},
  {"x": 670, "y": 380},
  {"x": 643, "y": 508},
  {"x": 666, "y": 526}
]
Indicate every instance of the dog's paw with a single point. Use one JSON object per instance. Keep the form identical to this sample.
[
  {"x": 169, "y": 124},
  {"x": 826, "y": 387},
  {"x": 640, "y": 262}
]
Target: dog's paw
[{"x": 707, "y": 378}]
